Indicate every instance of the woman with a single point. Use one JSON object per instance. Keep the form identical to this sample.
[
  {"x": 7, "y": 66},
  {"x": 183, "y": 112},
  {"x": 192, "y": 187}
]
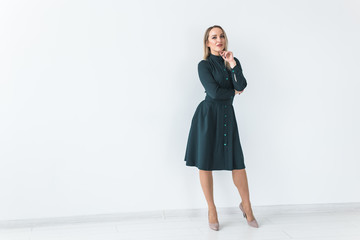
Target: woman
[{"x": 213, "y": 142}]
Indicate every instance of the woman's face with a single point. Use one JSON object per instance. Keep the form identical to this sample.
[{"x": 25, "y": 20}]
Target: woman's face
[{"x": 216, "y": 41}]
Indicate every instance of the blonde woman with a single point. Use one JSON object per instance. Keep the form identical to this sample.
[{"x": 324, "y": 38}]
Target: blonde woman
[{"x": 214, "y": 142}]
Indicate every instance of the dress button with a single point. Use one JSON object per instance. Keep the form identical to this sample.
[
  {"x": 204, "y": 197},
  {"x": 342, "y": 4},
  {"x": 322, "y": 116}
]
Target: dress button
[
  {"x": 225, "y": 106},
  {"x": 227, "y": 78},
  {"x": 232, "y": 70},
  {"x": 224, "y": 144},
  {"x": 225, "y": 124},
  {"x": 225, "y": 115},
  {"x": 225, "y": 134},
  {"x": 224, "y": 69}
]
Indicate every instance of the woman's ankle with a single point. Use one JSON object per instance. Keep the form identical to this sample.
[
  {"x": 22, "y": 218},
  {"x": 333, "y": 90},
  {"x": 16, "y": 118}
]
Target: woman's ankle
[{"x": 212, "y": 208}]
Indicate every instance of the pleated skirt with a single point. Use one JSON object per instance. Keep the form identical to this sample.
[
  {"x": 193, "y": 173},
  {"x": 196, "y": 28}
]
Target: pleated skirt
[{"x": 213, "y": 141}]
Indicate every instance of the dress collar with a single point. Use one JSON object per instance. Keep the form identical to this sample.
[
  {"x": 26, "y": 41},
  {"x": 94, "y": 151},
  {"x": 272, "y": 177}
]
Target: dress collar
[{"x": 216, "y": 58}]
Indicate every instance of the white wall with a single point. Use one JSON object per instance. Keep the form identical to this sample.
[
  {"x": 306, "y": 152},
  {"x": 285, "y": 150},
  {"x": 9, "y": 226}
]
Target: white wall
[{"x": 96, "y": 101}]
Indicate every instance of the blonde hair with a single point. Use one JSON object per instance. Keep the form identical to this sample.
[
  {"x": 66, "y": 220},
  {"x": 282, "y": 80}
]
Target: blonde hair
[{"x": 207, "y": 50}]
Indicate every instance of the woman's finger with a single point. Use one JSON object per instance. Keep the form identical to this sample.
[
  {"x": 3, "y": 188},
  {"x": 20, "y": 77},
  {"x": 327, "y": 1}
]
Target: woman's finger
[{"x": 223, "y": 54}]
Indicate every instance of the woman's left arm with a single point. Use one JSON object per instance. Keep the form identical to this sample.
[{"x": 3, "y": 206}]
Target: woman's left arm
[{"x": 237, "y": 76}]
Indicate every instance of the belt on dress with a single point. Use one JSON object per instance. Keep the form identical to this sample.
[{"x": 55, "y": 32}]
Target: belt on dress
[{"x": 221, "y": 101}]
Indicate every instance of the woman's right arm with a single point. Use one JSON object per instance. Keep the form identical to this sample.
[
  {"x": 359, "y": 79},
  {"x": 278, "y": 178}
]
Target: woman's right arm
[{"x": 211, "y": 86}]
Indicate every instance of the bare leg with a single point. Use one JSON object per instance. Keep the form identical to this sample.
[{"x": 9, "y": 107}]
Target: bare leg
[
  {"x": 241, "y": 183},
  {"x": 206, "y": 180}
]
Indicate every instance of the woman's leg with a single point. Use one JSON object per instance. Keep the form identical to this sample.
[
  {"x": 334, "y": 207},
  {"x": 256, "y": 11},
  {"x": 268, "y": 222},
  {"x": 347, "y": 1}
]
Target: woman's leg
[
  {"x": 241, "y": 183},
  {"x": 206, "y": 180}
]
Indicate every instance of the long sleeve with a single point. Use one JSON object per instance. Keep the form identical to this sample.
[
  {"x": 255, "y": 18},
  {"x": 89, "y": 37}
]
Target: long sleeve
[
  {"x": 237, "y": 76},
  {"x": 212, "y": 88}
]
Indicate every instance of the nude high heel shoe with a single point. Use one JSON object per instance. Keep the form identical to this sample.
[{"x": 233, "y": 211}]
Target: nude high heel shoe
[
  {"x": 252, "y": 223},
  {"x": 213, "y": 226}
]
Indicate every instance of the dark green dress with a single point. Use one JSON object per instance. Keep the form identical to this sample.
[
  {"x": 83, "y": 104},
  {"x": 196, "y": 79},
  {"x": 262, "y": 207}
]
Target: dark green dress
[{"x": 213, "y": 142}]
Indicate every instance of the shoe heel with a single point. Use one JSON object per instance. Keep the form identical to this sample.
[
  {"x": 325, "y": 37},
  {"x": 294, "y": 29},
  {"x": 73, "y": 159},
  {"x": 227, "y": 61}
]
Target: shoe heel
[{"x": 241, "y": 208}]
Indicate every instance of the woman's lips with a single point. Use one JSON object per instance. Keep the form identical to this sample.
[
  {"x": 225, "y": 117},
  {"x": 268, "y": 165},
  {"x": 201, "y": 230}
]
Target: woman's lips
[{"x": 220, "y": 45}]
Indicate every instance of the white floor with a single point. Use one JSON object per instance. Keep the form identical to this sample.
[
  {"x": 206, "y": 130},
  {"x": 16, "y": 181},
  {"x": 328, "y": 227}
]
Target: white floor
[{"x": 297, "y": 222}]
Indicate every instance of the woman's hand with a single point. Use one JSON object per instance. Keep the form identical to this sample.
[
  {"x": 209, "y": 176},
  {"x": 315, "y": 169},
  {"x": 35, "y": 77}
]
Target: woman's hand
[
  {"x": 238, "y": 92},
  {"x": 229, "y": 57}
]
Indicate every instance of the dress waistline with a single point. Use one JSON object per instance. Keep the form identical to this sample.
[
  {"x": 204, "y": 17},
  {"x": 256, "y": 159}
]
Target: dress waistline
[{"x": 222, "y": 101}]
